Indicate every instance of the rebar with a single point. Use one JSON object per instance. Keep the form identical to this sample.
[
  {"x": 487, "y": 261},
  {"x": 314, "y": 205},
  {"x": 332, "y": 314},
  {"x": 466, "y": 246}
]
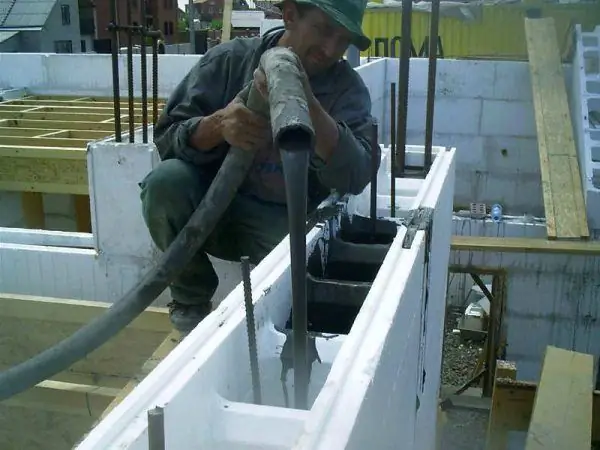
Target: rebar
[
  {"x": 431, "y": 76},
  {"x": 393, "y": 150},
  {"x": 403, "y": 75},
  {"x": 251, "y": 329},
  {"x": 130, "y": 75},
  {"x": 374, "y": 168},
  {"x": 154, "y": 81},
  {"x": 143, "y": 71},
  {"x": 113, "y": 28}
]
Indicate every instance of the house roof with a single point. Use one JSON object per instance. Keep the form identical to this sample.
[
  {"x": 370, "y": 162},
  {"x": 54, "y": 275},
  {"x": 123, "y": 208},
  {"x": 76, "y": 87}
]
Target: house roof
[{"x": 25, "y": 13}]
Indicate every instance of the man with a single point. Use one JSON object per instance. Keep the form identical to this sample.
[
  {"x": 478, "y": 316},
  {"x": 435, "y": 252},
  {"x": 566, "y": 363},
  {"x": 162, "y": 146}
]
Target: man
[{"x": 204, "y": 117}]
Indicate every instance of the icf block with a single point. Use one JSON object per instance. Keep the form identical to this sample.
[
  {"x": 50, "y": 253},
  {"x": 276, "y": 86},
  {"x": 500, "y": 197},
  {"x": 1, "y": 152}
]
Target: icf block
[{"x": 585, "y": 107}]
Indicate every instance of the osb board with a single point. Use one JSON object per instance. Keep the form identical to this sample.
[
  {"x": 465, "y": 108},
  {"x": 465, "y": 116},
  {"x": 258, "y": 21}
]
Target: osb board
[
  {"x": 566, "y": 214},
  {"x": 29, "y": 429},
  {"x": 111, "y": 365}
]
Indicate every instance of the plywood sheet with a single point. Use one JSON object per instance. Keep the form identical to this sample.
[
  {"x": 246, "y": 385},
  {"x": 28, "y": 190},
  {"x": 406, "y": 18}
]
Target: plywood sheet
[{"x": 561, "y": 180}]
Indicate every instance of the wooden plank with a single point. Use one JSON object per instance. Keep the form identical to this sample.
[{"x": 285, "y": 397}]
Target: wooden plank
[
  {"x": 500, "y": 417},
  {"x": 523, "y": 245},
  {"x": 59, "y": 124},
  {"x": 40, "y": 325},
  {"x": 83, "y": 215},
  {"x": 32, "y": 204},
  {"x": 51, "y": 175},
  {"x": 64, "y": 397},
  {"x": 46, "y": 141},
  {"x": 161, "y": 353},
  {"x": 562, "y": 412},
  {"x": 566, "y": 214},
  {"x": 79, "y": 312}
]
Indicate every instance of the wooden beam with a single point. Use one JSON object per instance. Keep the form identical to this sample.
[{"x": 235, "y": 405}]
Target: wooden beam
[
  {"x": 161, "y": 353},
  {"x": 562, "y": 412},
  {"x": 523, "y": 245},
  {"x": 32, "y": 204},
  {"x": 226, "y": 27},
  {"x": 64, "y": 397},
  {"x": 59, "y": 125},
  {"x": 48, "y": 141},
  {"x": 500, "y": 418},
  {"x": 80, "y": 312},
  {"x": 561, "y": 180}
]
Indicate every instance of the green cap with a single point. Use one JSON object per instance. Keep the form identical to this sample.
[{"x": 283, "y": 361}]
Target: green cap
[{"x": 347, "y": 13}]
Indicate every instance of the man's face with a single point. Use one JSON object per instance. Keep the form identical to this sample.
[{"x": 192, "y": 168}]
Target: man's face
[{"x": 317, "y": 40}]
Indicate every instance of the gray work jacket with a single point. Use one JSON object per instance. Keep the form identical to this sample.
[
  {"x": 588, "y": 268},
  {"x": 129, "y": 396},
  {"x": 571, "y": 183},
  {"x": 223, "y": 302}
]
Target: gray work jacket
[{"x": 223, "y": 72}]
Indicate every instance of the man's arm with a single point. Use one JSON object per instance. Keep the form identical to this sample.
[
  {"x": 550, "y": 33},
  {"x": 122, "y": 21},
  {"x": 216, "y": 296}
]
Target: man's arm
[
  {"x": 189, "y": 127},
  {"x": 342, "y": 159}
]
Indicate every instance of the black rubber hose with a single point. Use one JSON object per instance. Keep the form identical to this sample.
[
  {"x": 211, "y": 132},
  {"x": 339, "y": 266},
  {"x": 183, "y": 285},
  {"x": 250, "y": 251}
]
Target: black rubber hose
[{"x": 289, "y": 120}]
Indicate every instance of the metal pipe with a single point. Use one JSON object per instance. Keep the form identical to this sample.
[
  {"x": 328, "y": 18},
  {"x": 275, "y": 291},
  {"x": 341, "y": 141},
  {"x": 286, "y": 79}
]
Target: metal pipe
[
  {"x": 143, "y": 71},
  {"x": 374, "y": 168},
  {"x": 393, "y": 150},
  {"x": 431, "y": 75},
  {"x": 115, "y": 68},
  {"x": 251, "y": 329},
  {"x": 403, "y": 75},
  {"x": 130, "y": 74},
  {"x": 156, "y": 429}
]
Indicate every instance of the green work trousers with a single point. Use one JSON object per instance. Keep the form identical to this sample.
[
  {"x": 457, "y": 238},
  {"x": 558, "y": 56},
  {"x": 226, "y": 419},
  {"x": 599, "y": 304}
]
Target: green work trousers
[{"x": 170, "y": 194}]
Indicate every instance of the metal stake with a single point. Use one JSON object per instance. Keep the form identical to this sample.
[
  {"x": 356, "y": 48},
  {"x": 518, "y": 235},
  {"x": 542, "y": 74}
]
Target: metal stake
[
  {"x": 156, "y": 429},
  {"x": 251, "y": 328}
]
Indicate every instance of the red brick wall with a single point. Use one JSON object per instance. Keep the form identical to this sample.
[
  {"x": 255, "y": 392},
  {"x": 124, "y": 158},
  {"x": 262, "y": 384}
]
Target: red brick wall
[{"x": 164, "y": 13}]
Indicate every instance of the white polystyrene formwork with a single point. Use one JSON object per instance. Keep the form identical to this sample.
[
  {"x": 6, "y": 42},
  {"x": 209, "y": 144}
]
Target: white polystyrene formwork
[
  {"x": 365, "y": 388},
  {"x": 585, "y": 104}
]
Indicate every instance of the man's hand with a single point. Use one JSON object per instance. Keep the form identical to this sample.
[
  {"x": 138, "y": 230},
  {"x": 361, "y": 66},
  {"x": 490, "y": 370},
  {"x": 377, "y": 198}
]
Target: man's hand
[{"x": 243, "y": 128}]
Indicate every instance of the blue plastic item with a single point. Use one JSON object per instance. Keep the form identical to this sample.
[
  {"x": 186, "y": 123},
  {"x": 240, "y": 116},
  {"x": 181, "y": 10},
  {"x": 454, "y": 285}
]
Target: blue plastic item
[{"x": 496, "y": 213}]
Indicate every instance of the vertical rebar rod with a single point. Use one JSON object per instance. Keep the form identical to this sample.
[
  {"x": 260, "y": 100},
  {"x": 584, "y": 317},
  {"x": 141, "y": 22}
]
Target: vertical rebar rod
[
  {"x": 251, "y": 329},
  {"x": 393, "y": 150},
  {"x": 403, "y": 74},
  {"x": 191, "y": 26},
  {"x": 374, "y": 168},
  {"x": 115, "y": 69},
  {"x": 130, "y": 73},
  {"x": 143, "y": 71},
  {"x": 156, "y": 429},
  {"x": 154, "y": 81},
  {"x": 431, "y": 75}
]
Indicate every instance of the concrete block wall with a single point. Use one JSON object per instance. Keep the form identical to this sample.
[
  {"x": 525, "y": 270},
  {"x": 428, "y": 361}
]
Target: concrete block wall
[
  {"x": 585, "y": 113},
  {"x": 485, "y": 110}
]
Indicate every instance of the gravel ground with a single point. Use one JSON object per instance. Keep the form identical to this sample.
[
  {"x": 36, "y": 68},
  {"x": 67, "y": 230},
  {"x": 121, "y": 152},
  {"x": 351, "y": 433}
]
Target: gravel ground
[
  {"x": 459, "y": 358},
  {"x": 464, "y": 429}
]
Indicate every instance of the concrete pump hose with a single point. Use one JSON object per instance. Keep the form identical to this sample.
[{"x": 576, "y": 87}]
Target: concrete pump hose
[{"x": 289, "y": 120}]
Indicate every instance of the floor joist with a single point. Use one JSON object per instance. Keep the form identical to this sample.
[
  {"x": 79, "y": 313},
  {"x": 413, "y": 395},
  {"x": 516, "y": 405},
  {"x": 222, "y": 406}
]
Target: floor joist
[
  {"x": 561, "y": 180},
  {"x": 43, "y": 142}
]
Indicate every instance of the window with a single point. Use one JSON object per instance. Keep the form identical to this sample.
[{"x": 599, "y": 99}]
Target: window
[
  {"x": 65, "y": 12},
  {"x": 63, "y": 47},
  {"x": 168, "y": 28}
]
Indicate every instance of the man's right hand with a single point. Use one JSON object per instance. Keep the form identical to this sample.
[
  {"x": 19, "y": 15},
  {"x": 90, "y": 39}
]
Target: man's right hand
[{"x": 243, "y": 128}]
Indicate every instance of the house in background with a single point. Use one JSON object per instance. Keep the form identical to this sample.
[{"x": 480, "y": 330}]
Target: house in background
[{"x": 39, "y": 26}]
